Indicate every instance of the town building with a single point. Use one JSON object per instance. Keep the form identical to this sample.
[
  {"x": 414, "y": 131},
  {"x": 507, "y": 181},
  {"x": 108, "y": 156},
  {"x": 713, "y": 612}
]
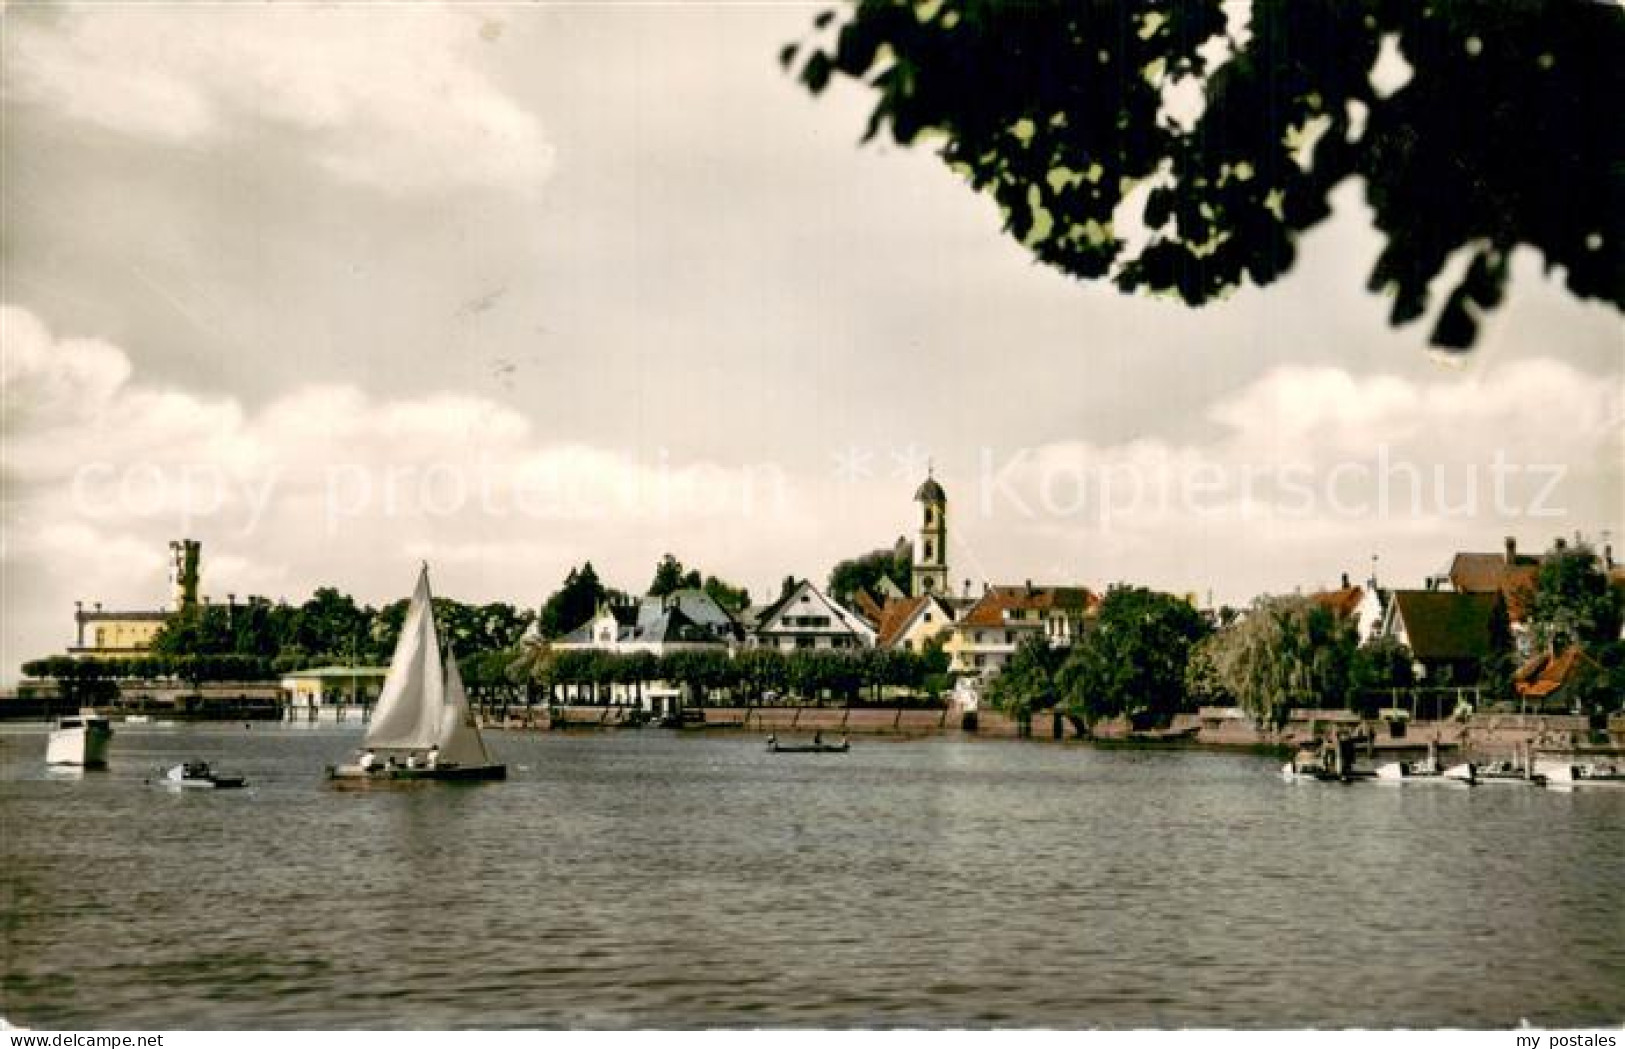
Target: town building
[
  {"x": 683, "y": 619},
  {"x": 931, "y": 551},
  {"x": 807, "y": 618},
  {"x": 105, "y": 633},
  {"x": 331, "y": 693},
  {"x": 909, "y": 624},
  {"x": 987, "y": 634},
  {"x": 1553, "y": 683},
  {"x": 1451, "y": 635}
]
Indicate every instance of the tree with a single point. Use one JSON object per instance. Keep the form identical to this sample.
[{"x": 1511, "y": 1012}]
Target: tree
[
  {"x": 671, "y": 576},
  {"x": 1574, "y": 602},
  {"x": 1380, "y": 664},
  {"x": 1027, "y": 682},
  {"x": 864, "y": 572},
  {"x": 1065, "y": 113},
  {"x": 731, "y": 598},
  {"x": 573, "y": 603},
  {"x": 331, "y": 622},
  {"x": 194, "y": 631},
  {"x": 1288, "y": 650},
  {"x": 761, "y": 670},
  {"x": 1132, "y": 661}
]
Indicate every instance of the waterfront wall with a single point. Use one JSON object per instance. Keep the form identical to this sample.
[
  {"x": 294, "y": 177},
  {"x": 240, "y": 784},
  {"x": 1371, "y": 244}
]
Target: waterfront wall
[{"x": 1479, "y": 737}]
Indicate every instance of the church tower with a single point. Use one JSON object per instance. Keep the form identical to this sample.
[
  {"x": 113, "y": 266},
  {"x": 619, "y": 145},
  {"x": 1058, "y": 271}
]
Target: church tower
[{"x": 931, "y": 551}]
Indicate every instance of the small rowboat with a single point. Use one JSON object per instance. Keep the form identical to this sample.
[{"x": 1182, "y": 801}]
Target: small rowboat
[{"x": 817, "y": 746}]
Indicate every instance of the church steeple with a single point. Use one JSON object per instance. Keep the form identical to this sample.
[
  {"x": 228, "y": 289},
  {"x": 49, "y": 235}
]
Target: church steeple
[{"x": 931, "y": 549}]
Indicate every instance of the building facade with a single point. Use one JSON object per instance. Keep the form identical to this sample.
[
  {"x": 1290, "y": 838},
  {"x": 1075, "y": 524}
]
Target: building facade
[
  {"x": 988, "y": 633},
  {"x": 931, "y": 550},
  {"x": 807, "y": 618}
]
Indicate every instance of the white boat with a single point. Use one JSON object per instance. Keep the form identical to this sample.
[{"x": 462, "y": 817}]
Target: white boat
[
  {"x": 1587, "y": 774},
  {"x": 422, "y": 727},
  {"x": 79, "y": 740},
  {"x": 198, "y": 775},
  {"x": 1504, "y": 771},
  {"x": 1423, "y": 772}
]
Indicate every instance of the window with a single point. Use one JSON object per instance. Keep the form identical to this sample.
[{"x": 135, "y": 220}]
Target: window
[
  {"x": 929, "y": 550},
  {"x": 928, "y": 617},
  {"x": 804, "y": 642}
]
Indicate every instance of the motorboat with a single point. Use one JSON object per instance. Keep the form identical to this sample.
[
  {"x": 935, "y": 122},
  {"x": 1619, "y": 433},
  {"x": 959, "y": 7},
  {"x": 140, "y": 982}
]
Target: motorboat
[
  {"x": 1423, "y": 772},
  {"x": 81, "y": 739},
  {"x": 1507, "y": 772},
  {"x": 1307, "y": 765},
  {"x": 817, "y": 746},
  {"x": 1466, "y": 772},
  {"x": 1584, "y": 774},
  {"x": 1428, "y": 770},
  {"x": 198, "y": 775},
  {"x": 422, "y": 727}
]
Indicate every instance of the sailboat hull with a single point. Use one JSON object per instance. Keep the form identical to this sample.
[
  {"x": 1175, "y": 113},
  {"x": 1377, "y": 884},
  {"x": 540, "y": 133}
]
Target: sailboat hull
[{"x": 458, "y": 774}]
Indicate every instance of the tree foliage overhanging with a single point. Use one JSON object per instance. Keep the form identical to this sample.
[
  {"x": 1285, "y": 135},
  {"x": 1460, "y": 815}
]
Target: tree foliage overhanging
[{"x": 1504, "y": 135}]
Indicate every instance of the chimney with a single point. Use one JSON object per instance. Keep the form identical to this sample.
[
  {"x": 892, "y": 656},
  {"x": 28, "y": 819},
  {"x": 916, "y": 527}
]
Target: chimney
[
  {"x": 1029, "y": 587},
  {"x": 967, "y": 588},
  {"x": 1512, "y": 549},
  {"x": 98, "y": 606},
  {"x": 1345, "y": 580}
]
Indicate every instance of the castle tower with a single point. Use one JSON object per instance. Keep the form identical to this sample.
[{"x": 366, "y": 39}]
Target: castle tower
[
  {"x": 931, "y": 550},
  {"x": 183, "y": 572}
]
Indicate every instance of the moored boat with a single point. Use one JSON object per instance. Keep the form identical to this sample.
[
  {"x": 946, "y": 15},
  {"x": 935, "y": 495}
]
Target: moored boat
[
  {"x": 1508, "y": 772},
  {"x": 817, "y": 746},
  {"x": 422, "y": 727},
  {"x": 1593, "y": 773},
  {"x": 81, "y": 739}
]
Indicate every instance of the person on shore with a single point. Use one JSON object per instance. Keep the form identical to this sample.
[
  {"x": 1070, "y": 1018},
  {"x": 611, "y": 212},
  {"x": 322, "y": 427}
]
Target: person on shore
[{"x": 434, "y": 755}]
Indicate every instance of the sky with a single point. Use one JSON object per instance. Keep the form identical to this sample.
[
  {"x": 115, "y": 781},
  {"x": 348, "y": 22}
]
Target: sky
[{"x": 338, "y": 288}]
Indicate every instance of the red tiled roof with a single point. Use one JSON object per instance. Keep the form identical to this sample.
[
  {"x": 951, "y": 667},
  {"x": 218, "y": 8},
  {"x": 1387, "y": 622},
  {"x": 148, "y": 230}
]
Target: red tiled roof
[
  {"x": 1342, "y": 602},
  {"x": 1545, "y": 673},
  {"x": 1491, "y": 574},
  {"x": 894, "y": 617},
  {"x": 866, "y": 606},
  {"x": 989, "y": 609}
]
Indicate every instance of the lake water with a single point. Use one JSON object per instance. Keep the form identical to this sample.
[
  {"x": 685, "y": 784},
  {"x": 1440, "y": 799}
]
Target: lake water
[{"x": 656, "y": 879}]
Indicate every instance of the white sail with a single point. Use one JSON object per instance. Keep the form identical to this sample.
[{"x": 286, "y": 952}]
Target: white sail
[
  {"x": 460, "y": 742},
  {"x": 409, "y": 711}
]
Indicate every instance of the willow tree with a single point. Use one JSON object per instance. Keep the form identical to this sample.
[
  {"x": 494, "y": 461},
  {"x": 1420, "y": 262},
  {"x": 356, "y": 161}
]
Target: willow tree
[
  {"x": 1286, "y": 651},
  {"x": 1222, "y": 129}
]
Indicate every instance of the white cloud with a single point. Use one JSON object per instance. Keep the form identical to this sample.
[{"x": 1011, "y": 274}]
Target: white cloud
[
  {"x": 327, "y": 485},
  {"x": 332, "y": 485},
  {"x": 381, "y": 96}
]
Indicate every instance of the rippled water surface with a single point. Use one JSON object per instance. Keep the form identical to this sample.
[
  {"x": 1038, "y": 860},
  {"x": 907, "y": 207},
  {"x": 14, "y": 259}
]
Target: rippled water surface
[{"x": 656, "y": 879}]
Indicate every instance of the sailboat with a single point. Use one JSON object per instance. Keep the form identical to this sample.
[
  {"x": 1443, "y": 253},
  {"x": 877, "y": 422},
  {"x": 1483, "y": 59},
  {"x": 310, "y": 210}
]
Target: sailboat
[{"x": 422, "y": 727}]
